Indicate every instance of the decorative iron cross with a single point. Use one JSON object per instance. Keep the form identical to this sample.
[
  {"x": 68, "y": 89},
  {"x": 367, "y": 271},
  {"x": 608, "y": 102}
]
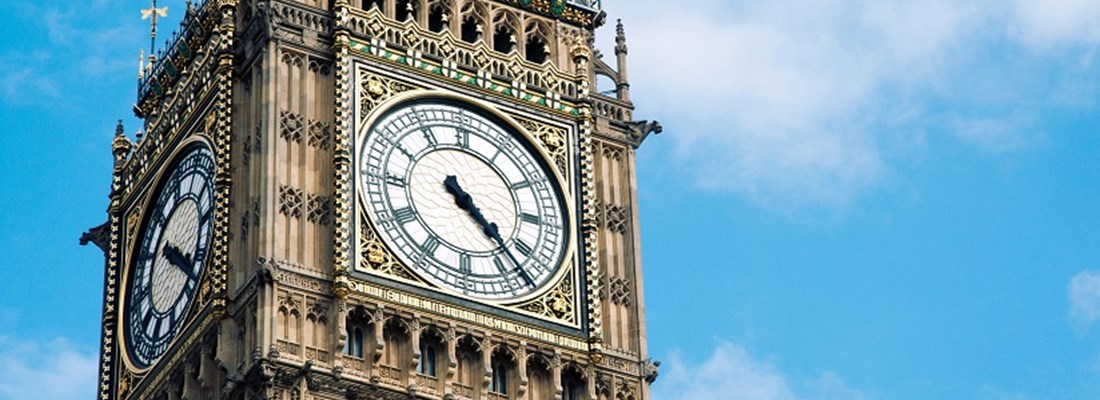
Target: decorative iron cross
[{"x": 152, "y": 13}]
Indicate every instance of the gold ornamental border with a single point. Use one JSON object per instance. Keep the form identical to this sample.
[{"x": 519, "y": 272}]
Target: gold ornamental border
[{"x": 567, "y": 189}]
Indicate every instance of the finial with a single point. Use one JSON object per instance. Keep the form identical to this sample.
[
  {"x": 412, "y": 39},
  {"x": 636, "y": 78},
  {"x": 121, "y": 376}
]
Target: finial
[
  {"x": 620, "y": 38},
  {"x": 139, "y": 134},
  {"x": 151, "y": 14},
  {"x": 120, "y": 147},
  {"x": 141, "y": 64}
]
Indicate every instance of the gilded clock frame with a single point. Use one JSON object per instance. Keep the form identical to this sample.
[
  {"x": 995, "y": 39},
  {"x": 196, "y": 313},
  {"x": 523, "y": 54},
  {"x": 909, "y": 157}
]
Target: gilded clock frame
[{"x": 394, "y": 92}]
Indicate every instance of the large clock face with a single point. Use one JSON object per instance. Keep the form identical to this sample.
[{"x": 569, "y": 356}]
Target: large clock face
[
  {"x": 463, "y": 200},
  {"x": 170, "y": 259}
]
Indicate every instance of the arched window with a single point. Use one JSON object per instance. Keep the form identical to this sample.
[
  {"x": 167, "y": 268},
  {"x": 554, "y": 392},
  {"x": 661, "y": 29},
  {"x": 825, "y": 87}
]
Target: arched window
[
  {"x": 502, "y": 368},
  {"x": 471, "y": 30},
  {"x": 371, "y": 4},
  {"x": 359, "y": 333},
  {"x": 539, "y": 381},
  {"x": 500, "y": 378},
  {"x": 536, "y": 50},
  {"x": 427, "y": 359},
  {"x": 573, "y": 385},
  {"x": 354, "y": 345},
  {"x": 437, "y": 19},
  {"x": 406, "y": 10},
  {"x": 504, "y": 40}
]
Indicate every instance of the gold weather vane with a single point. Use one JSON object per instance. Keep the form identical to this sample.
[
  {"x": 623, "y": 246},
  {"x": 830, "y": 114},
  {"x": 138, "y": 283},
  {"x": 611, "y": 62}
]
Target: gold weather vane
[{"x": 152, "y": 13}]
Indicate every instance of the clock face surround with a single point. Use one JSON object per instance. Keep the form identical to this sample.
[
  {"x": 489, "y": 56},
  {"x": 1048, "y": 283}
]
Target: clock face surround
[
  {"x": 463, "y": 200},
  {"x": 170, "y": 257}
]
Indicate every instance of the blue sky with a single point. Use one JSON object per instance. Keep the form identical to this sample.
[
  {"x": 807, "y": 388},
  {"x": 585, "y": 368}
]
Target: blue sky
[{"x": 852, "y": 199}]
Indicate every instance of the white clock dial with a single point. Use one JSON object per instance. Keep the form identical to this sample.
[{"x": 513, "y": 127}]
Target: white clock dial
[
  {"x": 463, "y": 200},
  {"x": 170, "y": 259}
]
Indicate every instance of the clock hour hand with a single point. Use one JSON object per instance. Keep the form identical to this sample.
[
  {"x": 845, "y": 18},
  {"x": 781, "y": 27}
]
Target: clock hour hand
[
  {"x": 466, "y": 202},
  {"x": 177, "y": 258}
]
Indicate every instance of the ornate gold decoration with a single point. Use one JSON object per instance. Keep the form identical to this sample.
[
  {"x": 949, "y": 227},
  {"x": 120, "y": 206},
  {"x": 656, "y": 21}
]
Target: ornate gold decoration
[
  {"x": 125, "y": 384},
  {"x": 376, "y": 90},
  {"x": 133, "y": 221},
  {"x": 553, "y": 139},
  {"x": 376, "y": 258},
  {"x": 559, "y": 303}
]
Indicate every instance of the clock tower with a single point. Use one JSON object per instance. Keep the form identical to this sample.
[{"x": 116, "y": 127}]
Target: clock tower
[{"x": 377, "y": 199}]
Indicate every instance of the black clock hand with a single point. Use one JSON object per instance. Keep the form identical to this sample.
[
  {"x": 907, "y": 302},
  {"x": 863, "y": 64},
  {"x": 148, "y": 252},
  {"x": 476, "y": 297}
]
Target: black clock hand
[
  {"x": 177, "y": 258},
  {"x": 466, "y": 202}
]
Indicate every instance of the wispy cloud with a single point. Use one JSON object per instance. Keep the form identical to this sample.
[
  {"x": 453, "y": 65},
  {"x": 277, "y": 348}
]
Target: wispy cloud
[
  {"x": 93, "y": 47},
  {"x": 1003, "y": 133},
  {"x": 732, "y": 372},
  {"x": 1049, "y": 23},
  {"x": 1084, "y": 299},
  {"x": 799, "y": 103},
  {"x": 45, "y": 370}
]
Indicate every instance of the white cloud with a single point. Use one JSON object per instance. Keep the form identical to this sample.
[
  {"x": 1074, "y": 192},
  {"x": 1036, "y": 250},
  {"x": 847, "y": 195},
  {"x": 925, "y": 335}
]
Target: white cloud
[
  {"x": 45, "y": 370},
  {"x": 799, "y": 103},
  {"x": 1084, "y": 298},
  {"x": 1046, "y": 23},
  {"x": 732, "y": 373}
]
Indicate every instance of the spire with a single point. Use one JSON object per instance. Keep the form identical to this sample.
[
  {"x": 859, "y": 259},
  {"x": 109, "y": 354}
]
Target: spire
[
  {"x": 623, "y": 85},
  {"x": 620, "y": 38},
  {"x": 151, "y": 14}
]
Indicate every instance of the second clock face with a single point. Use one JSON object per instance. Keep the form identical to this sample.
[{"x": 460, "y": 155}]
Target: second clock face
[
  {"x": 463, "y": 200},
  {"x": 171, "y": 257}
]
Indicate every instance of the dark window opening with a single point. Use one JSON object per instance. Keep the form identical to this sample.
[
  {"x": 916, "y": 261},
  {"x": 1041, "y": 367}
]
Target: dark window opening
[
  {"x": 354, "y": 345},
  {"x": 536, "y": 50},
  {"x": 427, "y": 359},
  {"x": 437, "y": 20},
  {"x": 406, "y": 10},
  {"x": 499, "y": 383},
  {"x": 573, "y": 385},
  {"x": 503, "y": 40},
  {"x": 370, "y": 4},
  {"x": 471, "y": 30}
]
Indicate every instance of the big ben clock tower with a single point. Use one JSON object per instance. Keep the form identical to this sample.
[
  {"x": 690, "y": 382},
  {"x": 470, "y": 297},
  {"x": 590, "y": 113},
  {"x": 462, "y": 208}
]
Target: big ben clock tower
[{"x": 377, "y": 199}]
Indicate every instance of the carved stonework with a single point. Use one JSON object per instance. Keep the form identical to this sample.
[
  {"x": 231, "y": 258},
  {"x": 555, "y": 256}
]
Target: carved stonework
[
  {"x": 290, "y": 201},
  {"x": 250, "y": 218},
  {"x": 290, "y": 126},
  {"x": 320, "y": 134},
  {"x": 252, "y": 143},
  {"x": 320, "y": 209},
  {"x": 618, "y": 290},
  {"x": 617, "y": 218},
  {"x": 320, "y": 66},
  {"x": 612, "y": 152}
]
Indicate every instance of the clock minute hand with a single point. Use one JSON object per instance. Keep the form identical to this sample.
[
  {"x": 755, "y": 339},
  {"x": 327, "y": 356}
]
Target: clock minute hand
[
  {"x": 466, "y": 202},
  {"x": 176, "y": 257}
]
